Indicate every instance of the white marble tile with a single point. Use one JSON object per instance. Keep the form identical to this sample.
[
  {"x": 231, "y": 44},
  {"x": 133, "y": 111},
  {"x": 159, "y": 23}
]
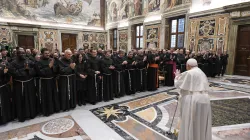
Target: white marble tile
[
  {"x": 86, "y": 114},
  {"x": 94, "y": 127}
]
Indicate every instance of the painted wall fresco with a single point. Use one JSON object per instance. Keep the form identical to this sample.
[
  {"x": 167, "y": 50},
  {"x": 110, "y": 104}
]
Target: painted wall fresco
[
  {"x": 201, "y": 5},
  {"x": 5, "y": 35},
  {"x": 81, "y": 12},
  {"x": 48, "y": 39},
  {"x": 206, "y": 33},
  {"x": 123, "y": 39},
  {"x": 152, "y": 38},
  {"x": 92, "y": 39},
  {"x": 123, "y": 9}
]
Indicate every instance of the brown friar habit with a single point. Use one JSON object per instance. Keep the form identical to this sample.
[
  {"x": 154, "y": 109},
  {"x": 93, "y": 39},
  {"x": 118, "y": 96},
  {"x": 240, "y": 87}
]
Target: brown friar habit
[
  {"x": 93, "y": 80},
  {"x": 130, "y": 78},
  {"x": 107, "y": 82},
  {"x": 67, "y": 85},
  {"x": 118, "y": 77},
  {"x": 141, "y": 73},
  {"x": 24, "y": 88},
  {"x": 47, "y": 90},
  {"x": 5, "y": 96}
]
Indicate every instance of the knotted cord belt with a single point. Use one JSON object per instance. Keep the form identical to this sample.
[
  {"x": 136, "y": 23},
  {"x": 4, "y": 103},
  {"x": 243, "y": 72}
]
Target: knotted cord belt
[
  {"x": 23, "y": 83},
  {"x": 95, "y": 86},
  {"x": 40, "y": 86},
  {"x": 141, "y": 74},
  {"x": 1, "y": 99},
  {"x": 119, "y": 81},
  {"x": 68, "y": 82},
  {"x": 129, "y": 77}
]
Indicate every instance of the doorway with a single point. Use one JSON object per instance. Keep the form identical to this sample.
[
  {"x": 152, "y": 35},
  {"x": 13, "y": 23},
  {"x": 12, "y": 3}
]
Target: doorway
[
  {"x": 242, "y": 66},
  {"x": 26, "y": 41},
  {"x": 69, "y": 42}
]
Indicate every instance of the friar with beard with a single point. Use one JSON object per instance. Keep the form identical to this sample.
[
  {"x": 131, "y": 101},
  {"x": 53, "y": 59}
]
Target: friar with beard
[
  {"x": 94, "y": 77},
  {"x": 107, "y": 82},
  {"x": 67, "y": 82},
  {"x": 118, "y": 75},
  {"x": 141, "y": 72},
  {"x": 5, "y": 93},
  {"x": 47, "y": 93},
  {"x": 129, "y": 75},
  {"x": 23, "y": 72}
]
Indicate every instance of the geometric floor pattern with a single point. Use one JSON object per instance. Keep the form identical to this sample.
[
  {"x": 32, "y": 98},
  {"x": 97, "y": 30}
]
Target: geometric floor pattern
[
  {"x": 144, "y": 116},
  {"x": 58, "y": 129},
  {"x": 150, "y": 117}
]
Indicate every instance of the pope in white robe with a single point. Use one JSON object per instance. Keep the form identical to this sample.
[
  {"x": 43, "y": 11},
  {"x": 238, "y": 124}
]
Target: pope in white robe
[{"x": 195, "y": 107}]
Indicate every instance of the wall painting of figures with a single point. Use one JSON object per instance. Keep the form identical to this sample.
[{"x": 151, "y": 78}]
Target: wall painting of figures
[{"x": 79, "y": 12}]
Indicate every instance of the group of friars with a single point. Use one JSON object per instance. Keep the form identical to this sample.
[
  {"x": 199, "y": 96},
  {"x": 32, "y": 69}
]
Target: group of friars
[{"x": 33, "y": 82}]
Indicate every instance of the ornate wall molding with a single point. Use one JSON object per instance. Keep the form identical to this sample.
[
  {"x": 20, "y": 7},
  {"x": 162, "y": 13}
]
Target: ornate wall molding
[{"x": 209, "y": 32}]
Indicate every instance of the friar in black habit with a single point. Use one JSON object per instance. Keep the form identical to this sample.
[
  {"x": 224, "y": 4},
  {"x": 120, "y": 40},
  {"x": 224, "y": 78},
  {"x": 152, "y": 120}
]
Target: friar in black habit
[
  {"x": 94, "y": 77},
  {"x": 130, "y": 77},
  {"x": 23, "y": 72},
  {"x": 47, "y": 90},
  {"x": 118, "y": 75},
  {"x": 107, "y": 81},
  {"x": 141, "y": 71},
  {"x": 181, "y": 62},
  {"x": 5, "y": 93},
  {"x": 224, "y": 62},
  {"x": 67, "y": 82}
]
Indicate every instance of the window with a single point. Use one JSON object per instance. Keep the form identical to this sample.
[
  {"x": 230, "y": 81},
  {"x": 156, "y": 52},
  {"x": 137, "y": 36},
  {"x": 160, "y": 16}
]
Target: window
[
  {"x": 115, "y": 39},
  {"x": 177, "y": 33},
  {"x": 139, "y": 37}
]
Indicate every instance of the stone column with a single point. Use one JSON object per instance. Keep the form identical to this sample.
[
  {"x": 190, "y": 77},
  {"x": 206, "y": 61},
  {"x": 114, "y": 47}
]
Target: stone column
[
  {"x": 129, "y": 38},
  {"x": 232, "y": 47},
  {"x": 162, "y": 33},
  {"x": 108, "y": 40},
  {"x": 186, "y": 39}
]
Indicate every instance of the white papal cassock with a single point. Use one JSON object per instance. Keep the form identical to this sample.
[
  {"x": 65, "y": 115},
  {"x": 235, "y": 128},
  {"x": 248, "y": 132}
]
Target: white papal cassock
[{"x": 195, "y": 108}]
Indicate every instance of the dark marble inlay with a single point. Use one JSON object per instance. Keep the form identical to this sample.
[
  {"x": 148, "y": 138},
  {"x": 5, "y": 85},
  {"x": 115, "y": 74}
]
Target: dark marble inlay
[
  {"x": 239, "y": 81},
  {"x": 36, "y": 138},
  {"x": 230, "y": 112}
]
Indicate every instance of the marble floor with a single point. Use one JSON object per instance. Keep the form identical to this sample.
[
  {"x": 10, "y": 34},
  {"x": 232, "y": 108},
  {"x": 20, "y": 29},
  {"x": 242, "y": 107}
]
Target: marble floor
[{"x": 143, "y": 116}]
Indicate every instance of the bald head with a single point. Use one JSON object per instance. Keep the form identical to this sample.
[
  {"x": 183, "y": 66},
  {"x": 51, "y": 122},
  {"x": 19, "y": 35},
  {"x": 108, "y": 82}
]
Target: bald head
[
  {"x": 191, "y": 63},
  {"x": 67, "y": 54}
]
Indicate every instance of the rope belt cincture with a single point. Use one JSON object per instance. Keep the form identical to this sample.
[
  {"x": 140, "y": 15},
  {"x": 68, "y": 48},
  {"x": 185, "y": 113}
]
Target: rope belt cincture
[
  {"x": 23, "y": 83},
  {"x": 68, "y": 82}
]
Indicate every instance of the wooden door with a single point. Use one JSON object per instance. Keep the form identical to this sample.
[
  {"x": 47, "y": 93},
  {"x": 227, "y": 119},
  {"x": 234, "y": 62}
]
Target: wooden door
[
  {"x": 26, "y": 41},
  {"x": 242, "y": 66},
  {"x": 68, "y": 41}
]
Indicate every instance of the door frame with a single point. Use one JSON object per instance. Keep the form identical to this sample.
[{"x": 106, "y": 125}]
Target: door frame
[
  {"x": 29, "y": 33},
  {"x": 236, "y": 46},
  {"x": 232, "y": 41},
  {"x": 73, "y": 33},
  {"x": 77, "y": 33}
]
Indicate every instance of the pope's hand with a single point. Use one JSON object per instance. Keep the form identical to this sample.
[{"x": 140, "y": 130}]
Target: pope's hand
[{"x": 177, "y": 73}]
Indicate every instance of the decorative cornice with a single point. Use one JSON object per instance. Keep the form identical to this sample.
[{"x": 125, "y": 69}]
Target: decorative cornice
[
  {"x": 207, "y": 12},
  {"x": 182, "y": 7},
  {"x": 176, "y": 12},
  {"x": 239, "y": 6}
]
